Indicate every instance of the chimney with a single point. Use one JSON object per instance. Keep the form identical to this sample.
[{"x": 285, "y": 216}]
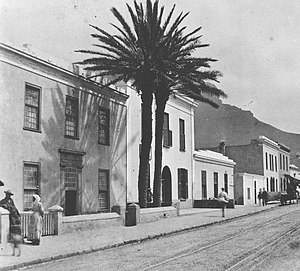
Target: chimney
[{"x": 222, "y": 147}]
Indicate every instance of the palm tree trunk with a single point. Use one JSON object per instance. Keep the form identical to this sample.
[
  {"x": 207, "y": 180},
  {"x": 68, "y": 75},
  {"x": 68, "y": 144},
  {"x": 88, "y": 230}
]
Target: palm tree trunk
[
  {"x": 159, "y": 121},
  {"x": 147, "y": 98}
]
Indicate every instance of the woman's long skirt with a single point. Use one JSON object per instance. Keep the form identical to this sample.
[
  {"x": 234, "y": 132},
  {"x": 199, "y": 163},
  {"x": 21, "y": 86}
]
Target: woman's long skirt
[{"x": 35, "y": 228}]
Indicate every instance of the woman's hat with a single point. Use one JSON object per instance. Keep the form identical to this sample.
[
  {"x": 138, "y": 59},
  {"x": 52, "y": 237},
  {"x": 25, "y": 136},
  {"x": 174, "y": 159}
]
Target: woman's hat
[{"x": 8, "y": 192}]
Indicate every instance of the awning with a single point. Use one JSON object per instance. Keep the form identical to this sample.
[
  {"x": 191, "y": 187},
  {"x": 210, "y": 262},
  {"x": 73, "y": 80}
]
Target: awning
[{"x": 297, "y": 181}]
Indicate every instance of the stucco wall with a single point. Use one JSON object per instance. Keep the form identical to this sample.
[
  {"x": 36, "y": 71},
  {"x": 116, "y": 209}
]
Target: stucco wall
[
  {"x": 248, "y": 158},
  {"x": 248, "y": 182},
  {"x": 172, "y": 157},
  {"x": 19, "y": 145},
  {"x": 210, "y": 167}
]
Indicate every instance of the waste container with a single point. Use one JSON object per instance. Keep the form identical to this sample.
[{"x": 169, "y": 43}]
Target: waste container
[{"x": 132, "y": 214}]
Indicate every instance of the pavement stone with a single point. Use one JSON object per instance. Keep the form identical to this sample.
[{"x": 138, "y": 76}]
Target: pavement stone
[{"x": 82, "y": 242}]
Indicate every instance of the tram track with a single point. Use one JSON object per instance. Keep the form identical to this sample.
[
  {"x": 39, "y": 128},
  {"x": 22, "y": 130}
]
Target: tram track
[{"x": 244, "y": 257}]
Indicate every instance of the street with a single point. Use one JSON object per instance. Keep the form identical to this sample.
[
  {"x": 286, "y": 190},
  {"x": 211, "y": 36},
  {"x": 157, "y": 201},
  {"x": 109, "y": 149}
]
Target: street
[{"x": 264, "y": 241}]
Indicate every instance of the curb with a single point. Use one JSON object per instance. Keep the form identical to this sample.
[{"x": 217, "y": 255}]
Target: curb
[{"x": 124, "y": 243}]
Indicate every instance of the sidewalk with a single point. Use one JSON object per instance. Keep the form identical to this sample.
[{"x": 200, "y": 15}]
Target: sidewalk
[{"x": 62, "y": 246}]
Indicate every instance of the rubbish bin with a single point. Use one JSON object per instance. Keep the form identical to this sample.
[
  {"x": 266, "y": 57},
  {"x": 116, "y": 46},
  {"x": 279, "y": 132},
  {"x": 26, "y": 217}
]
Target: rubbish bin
[{"x": 132, "y": 214}]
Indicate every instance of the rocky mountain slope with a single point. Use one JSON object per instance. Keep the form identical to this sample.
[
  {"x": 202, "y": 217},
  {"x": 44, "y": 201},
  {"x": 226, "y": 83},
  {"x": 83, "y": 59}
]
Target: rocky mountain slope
[{"x": 236, "y": 127}]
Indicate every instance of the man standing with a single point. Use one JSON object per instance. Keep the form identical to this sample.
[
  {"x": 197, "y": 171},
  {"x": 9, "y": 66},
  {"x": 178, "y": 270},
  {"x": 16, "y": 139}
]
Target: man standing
[
  {"x": 264, "y": 197},
  {"x": 223, "y": 199}
]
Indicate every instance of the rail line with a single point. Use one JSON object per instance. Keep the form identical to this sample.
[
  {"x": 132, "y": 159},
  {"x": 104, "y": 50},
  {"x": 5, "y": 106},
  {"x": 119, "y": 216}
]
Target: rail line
[
  {"x": 228, "y": 238},
  {"x": 260, "y": 251}
]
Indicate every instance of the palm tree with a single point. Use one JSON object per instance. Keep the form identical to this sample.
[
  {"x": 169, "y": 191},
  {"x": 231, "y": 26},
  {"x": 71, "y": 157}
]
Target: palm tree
[
  {"x": 131, "y": 56},
  {"x": 155, "y": 57},
  {"x": 186, "y": 75}
]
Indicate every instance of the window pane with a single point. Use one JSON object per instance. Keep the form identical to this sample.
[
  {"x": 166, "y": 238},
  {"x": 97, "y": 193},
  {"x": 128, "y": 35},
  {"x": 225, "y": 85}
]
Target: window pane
[
  {"x": 71, "y": 124},
  {"x": 30, "y": 176},
  {"x": 31, "y": 114}
]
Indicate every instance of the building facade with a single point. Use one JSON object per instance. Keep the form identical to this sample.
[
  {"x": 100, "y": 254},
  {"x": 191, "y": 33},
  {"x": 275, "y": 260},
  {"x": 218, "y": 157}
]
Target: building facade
[
  {"x": 62, "y": 136},
  {"x": 264, "y": 159},
  {"x": 247, "y": 187},
  {"x": 178, "y": 147},
  {"x": 212, "y": 171}
]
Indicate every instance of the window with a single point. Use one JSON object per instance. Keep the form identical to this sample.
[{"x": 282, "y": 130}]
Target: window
[
  {"x": 31, "y": 183},
  {"x": 283, "y": 162},
  {"x": 103, "y": 127},
  {"x": 270, "y": 161},
  {"x": 266, "y": 161},
  {"x": 32, "y": 108},
  {"x": 216, "y": 184},
  {"x": 267, "y": 184},
  {"x": 226, "y": 182},
  {"x": 248, "y": 193},
  {"x": 71, "y": 125},
  {"x": 167, "y": 134},
  {"x": 272, "y": 184},
  {"x": 103, "y": 186},
  {"x": 276, "y": 163},
  {"x": 181, "y": 135},
  {"x": 287, "y": 164},
  {"x": 204, "y": 184},
  {"x": 182, "y": 184},
  {"x": 280, "y": 161}
]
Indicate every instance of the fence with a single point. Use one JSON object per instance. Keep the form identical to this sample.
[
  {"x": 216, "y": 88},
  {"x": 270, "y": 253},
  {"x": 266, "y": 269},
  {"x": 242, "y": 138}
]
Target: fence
[{"x": 48, "y": 224}]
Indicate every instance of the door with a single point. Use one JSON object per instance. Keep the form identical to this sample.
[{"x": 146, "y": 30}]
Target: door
[
  {"x": 71, "y": 202},
  {"x": 166, "y": 187}
]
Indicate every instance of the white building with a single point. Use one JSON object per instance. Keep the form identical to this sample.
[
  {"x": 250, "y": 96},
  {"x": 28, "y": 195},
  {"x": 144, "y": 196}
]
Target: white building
[
  {"x": 178, "y": 147},
  {"x": 246, "y": 188},
  {"x": 212, "y": 171},
  {"x": 61, "y": 136}
]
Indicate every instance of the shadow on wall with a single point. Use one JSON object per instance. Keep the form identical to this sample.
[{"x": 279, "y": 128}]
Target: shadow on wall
[{"x": 97, "y": 156}]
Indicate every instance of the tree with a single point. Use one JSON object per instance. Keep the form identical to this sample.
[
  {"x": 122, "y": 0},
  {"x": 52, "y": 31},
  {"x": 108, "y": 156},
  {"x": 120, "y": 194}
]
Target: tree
[
  {"x": 155, "y": 57},
  {"x": 131, "y": 56},
  {"x": 186, "y": 75}
]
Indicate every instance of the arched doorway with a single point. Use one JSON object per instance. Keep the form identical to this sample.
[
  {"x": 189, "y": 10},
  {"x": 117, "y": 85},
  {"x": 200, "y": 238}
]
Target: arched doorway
[{"x": 166, "y": 187}]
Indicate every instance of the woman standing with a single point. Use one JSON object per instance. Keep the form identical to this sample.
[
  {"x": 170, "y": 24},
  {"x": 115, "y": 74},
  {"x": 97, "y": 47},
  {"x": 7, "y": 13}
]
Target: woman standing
[
  {"x": 35, "y": 226},
  {"x": 15, "y": 234}
]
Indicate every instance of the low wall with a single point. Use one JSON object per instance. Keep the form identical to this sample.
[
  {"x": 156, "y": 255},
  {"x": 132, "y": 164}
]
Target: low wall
[
  {"x": 91, "y": 221},
  {"x": 153, "y": 214},
  {"x": 212, "y": 203}
]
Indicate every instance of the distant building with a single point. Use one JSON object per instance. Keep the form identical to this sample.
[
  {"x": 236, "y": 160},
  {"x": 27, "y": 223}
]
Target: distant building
[
  {"x": 62, "y": 136},
  {"x": 262, "y": 158},
  {"x": 295, "y": 172},
  {"x": 212, "y": 171}
]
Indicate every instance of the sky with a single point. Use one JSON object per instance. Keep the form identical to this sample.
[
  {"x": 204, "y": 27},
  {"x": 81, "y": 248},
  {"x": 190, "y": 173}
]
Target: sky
[{"x": 256, "y": 43}]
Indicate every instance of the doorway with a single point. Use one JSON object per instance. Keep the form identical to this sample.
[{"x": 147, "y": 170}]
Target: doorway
[
  {"x": 71, "y": 203},
  {"x": 166, "y": 187},
  {"x": 71, "y": 170}
]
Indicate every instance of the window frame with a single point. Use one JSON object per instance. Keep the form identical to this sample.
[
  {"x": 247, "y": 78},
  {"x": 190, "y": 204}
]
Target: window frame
[
  {"x": 106, "y": 127},
  {"x": 76, "y": 135},
  {"x": 167, "y": 133},
  {"x": 182, "y": 145},
  {"x": 204, "y": 184},
  {"x": 39, "y": 90},
  {"x": 38, "y": 180},
  {"x": 107, "y": 172},
  {"x": 216, "y": 184},
  {"x": 183, "y": 194}
]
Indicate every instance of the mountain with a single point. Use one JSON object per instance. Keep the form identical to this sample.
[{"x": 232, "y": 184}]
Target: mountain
[{"x": 237, "y": 127}]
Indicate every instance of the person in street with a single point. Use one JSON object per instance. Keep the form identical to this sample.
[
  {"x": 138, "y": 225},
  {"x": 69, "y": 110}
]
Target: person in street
[
  {"x": 259, "y": 196},
  {"x": 223, "y": 199},
  {"x": 35, "y": 225},
  {"x": 264, "y": 197},
  {"x": 297, "y": 193},
  {"x": 15, "y": 233}
]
